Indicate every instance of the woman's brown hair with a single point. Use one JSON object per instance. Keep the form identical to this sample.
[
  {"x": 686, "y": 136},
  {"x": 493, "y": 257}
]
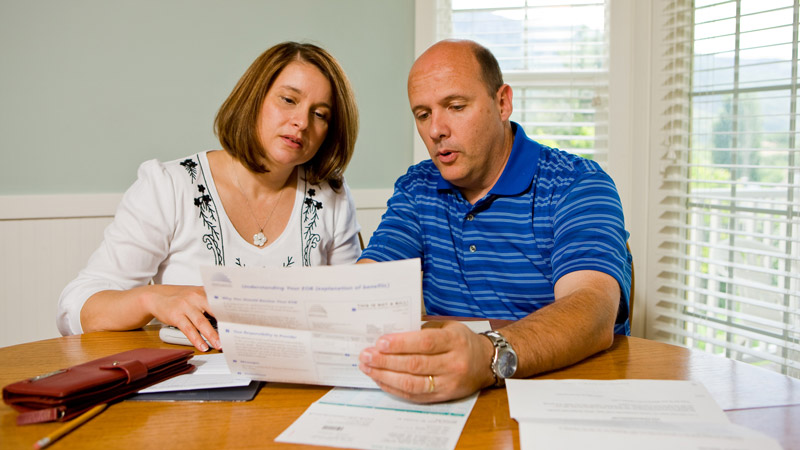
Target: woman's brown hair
[{"x": 236, "y": 124}]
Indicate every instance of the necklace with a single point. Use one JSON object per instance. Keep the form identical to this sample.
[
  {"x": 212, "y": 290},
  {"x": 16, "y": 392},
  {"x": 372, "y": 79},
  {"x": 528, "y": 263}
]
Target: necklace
[{"x": 258, "y": 239}]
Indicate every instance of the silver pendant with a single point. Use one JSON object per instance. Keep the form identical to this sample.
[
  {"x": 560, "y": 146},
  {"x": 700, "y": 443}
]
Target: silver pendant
[{"x": 259, "y": 239}]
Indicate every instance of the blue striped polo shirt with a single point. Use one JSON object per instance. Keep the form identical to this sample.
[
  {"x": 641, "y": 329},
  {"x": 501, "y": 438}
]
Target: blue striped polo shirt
[{"x": 550, "y": 213}]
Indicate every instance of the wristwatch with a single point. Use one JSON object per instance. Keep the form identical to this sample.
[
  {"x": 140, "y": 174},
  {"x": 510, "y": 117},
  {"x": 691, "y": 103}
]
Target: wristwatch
[{"x": 504, "y": 360}]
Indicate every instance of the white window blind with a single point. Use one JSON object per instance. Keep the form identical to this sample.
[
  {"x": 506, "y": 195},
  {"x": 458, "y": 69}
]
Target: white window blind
[
  {"x": 729, "y": 262},
  {"x": 554, "y": 54}
]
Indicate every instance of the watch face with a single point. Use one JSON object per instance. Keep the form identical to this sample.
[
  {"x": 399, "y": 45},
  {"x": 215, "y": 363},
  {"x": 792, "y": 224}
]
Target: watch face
[{"x": 506, "y": 364}]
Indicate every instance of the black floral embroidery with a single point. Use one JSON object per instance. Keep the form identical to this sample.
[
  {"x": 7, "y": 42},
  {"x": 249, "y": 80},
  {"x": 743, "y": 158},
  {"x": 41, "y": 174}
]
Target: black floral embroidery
[
  {"x": 208, "y": 213},
  {"x": 191, "y": 168},
  {"x": 313, "y": 203},
  {"x": 310, "y": 216},
  {"x": 289, "y": 262},
  {"x": 239, "y": 262},
  {"x": 203, "y": 201}
]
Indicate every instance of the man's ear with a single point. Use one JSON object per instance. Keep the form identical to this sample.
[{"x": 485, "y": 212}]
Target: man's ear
[{"x": 503, "y": 99}]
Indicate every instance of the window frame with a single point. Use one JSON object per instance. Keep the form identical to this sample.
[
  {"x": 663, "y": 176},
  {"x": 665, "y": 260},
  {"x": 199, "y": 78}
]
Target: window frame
[{"x": 672, "y": 232}]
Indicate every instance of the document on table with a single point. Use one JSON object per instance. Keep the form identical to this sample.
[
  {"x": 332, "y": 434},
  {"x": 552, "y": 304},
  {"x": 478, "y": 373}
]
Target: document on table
[
  {"x": 600, "y": 414},
  {"x": 372, "y": 419},
  {"x": 211, "y": 372},
  {"x": 309, "y": 324}
]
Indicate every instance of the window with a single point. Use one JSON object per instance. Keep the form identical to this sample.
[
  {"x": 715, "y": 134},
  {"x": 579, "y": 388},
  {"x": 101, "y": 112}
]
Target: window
[
  {"x": 729, "y": 267},
  {"x": 554, "y": 54}
]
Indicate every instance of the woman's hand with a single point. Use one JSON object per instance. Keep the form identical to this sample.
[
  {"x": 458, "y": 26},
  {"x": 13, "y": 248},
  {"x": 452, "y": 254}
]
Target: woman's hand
[
  {"x": 180, "y": 306},
  {"x": 183, "y": 307}
]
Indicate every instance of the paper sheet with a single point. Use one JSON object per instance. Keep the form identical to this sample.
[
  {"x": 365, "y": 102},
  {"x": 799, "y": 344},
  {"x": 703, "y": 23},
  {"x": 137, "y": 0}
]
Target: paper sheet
[
  {"x": 477, "y": 326},
  {"x": 661, "y": 436},
  {"x": 212, "y": 372},
  {"x": 309, "y": 325},
  {"x": 370, "y": 419},
  {"x": 599, "y": 414}
]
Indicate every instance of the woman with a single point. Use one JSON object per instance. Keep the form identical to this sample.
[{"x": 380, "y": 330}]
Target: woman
[{"x": 274, "y": 196}]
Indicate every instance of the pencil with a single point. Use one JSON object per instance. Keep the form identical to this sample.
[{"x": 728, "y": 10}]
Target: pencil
[{"x": 69, "y": 426}]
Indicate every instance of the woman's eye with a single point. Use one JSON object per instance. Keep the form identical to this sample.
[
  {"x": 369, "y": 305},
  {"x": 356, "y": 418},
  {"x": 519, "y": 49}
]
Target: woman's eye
[{"x": 287, "y": 100}]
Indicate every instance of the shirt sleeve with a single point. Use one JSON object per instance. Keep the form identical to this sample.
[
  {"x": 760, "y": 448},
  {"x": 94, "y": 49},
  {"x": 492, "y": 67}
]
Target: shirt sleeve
[
  {"x": 589, "y": 233},
  {"x": 346, "y": 245},
  {"x": 399, "y": 235},
  {"x": 134, "y": 245}
]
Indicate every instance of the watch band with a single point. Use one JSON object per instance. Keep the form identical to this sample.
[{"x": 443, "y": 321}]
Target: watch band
[{"x": 501, "y": 345}]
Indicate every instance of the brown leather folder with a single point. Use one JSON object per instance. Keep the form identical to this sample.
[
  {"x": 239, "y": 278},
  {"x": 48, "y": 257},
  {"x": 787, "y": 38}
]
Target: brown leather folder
[{"x": 66, "y": 393}]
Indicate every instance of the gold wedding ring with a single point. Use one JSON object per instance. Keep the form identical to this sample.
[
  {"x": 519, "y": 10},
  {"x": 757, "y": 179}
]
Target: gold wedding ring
[{"x": 431, "y": 384}]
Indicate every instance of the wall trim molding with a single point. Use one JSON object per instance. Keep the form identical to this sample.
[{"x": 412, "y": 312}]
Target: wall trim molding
[
  {"x": 61, "y": 206},
  {"x": 58, "y": 206}
]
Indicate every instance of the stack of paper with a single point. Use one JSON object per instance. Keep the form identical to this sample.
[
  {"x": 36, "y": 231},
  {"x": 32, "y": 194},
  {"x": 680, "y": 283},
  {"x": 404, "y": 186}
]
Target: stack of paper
[
  {"x": 211, "y": 373},
  {"x": 599, "y": 414},
  {"x": 372, "y": 419}
]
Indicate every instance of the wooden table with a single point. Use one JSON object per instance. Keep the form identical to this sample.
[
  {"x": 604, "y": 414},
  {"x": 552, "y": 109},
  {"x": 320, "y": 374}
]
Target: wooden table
[{"x": 751, "y": 396}]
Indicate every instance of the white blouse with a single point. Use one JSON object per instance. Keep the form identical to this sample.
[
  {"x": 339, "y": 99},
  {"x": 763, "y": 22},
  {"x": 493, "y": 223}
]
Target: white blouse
[{"x": 171, "y": 221}]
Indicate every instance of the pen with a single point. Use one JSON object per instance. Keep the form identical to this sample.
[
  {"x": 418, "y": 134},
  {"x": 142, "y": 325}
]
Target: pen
[{"x": 69, "y": 426}]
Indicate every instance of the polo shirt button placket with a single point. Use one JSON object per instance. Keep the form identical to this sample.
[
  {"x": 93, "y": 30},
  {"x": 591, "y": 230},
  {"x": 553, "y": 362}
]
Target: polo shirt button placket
[{"x": 470, "y": 217}]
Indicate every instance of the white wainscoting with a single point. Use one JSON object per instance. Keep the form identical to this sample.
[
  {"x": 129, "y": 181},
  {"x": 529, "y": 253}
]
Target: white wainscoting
[{"x": 47, "y": 239}]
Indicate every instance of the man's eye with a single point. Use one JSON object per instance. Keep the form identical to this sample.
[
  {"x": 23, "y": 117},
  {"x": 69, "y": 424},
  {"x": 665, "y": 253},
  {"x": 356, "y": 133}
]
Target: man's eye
[
  {"x": 422, "y": 116},
  {"x": 458, "y": 107}
]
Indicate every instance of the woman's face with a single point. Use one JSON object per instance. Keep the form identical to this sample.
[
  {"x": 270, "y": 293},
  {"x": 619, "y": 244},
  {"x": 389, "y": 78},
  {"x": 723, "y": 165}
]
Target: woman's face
[{"x": 293, "y": 121}]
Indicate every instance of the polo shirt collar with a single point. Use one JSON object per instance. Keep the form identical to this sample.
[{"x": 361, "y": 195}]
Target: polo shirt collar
[{"x": 518, "y": 173}]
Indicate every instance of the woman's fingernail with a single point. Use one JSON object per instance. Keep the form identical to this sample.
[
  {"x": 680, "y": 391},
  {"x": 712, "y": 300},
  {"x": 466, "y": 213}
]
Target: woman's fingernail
[
  {"x": 382, "y": 344},
  {"x": 366, "y": 357}
]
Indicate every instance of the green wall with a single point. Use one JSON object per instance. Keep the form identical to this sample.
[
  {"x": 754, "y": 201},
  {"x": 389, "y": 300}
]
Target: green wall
[{"x": 89, "y": 89}]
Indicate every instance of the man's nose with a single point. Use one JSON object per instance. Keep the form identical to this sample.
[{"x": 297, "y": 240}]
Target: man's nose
[{"x": 439, "y": 127}]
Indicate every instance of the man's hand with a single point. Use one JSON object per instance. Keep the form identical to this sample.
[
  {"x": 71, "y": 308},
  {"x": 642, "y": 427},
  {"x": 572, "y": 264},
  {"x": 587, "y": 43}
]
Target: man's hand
[{"x": 443, "y": 361}]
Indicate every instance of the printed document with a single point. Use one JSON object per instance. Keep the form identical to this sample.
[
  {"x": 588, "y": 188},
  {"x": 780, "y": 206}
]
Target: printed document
[
  {"x": 211, "y": 372},
  {"x": 308, "y": 325},
  {"x": 372, "y": 419},
  {"x": 600, "y": 414}
]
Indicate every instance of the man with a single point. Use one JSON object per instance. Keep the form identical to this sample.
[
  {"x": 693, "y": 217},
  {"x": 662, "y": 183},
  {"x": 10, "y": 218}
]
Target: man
[{"x": 506, "y": 228}]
